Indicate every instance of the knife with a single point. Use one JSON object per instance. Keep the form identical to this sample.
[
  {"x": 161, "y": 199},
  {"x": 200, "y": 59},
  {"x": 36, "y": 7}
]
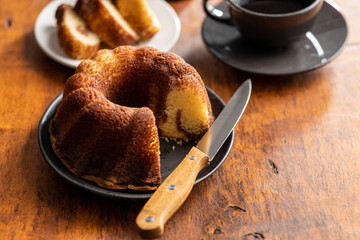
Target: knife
[{"x": 176, "y": 188}]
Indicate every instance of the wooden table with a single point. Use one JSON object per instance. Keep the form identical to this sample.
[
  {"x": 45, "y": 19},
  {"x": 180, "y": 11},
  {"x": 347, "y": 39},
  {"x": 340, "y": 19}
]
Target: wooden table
[{"x": 293, "y": 172}]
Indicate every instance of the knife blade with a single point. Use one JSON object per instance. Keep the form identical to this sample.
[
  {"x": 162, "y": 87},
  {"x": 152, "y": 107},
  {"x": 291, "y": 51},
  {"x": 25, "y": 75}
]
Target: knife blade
[
  {"x": 215, "y": 137},
  {"x": 175, "y": 189}
]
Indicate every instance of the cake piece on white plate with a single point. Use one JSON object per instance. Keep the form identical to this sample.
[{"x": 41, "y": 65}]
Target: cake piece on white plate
[
  {"x": 140, "y": 17},
  {"x": 105, "y": 20},
  {"x": 74, "y": 37}
]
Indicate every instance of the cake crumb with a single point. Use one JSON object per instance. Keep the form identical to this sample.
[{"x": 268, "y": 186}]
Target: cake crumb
[
  {"x": 180, "y": 142},
  {"x": 173, "y": 147},
  {"x": 166, "y": 139}
]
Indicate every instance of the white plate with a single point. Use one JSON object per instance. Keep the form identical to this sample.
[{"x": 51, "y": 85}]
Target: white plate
[{"x": 46, "y": 33}]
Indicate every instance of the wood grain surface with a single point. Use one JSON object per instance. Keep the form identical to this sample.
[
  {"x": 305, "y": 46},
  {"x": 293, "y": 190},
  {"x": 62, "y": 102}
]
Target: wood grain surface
[{"x": 293, "y": 172}]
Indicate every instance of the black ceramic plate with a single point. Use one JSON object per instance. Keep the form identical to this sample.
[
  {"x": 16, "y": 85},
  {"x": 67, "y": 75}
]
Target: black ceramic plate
[
  {"x": 317, "y": 48},
  {"x": 170, "y": 157}
]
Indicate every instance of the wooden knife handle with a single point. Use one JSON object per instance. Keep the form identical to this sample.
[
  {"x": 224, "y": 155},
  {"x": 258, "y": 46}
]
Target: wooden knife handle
[{"x": 171, "y": 194}]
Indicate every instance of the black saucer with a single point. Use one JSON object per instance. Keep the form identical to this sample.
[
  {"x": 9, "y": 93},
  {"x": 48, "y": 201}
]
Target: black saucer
[
  {"x": 317, "y": 48},
  {"x": 171, "y": 155}
]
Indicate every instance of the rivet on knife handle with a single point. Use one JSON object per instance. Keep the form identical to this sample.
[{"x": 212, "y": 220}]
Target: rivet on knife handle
[{"x": 171, "y": 194}]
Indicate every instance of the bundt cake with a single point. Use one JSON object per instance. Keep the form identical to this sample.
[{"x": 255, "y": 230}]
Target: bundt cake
[
  {"x": 105, "y": 20},
  {"x": 140, "y": 17},
  {"x": 74, "y": 37},
  {"x": 106, "y": 126}
]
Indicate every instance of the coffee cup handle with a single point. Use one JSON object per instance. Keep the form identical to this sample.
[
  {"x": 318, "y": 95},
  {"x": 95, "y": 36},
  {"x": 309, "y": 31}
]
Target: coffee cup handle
[{"x": 212, "y": 13}]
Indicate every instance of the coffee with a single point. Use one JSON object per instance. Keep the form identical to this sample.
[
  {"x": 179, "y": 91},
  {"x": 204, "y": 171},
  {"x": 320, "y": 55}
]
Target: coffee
[
  {"x": 274, "y": 6},
  {"x": 272, "y": 23}
]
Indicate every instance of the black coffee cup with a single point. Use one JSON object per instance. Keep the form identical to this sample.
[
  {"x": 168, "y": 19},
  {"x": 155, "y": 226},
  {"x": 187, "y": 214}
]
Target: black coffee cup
[{"x": 269, "y": 22}]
